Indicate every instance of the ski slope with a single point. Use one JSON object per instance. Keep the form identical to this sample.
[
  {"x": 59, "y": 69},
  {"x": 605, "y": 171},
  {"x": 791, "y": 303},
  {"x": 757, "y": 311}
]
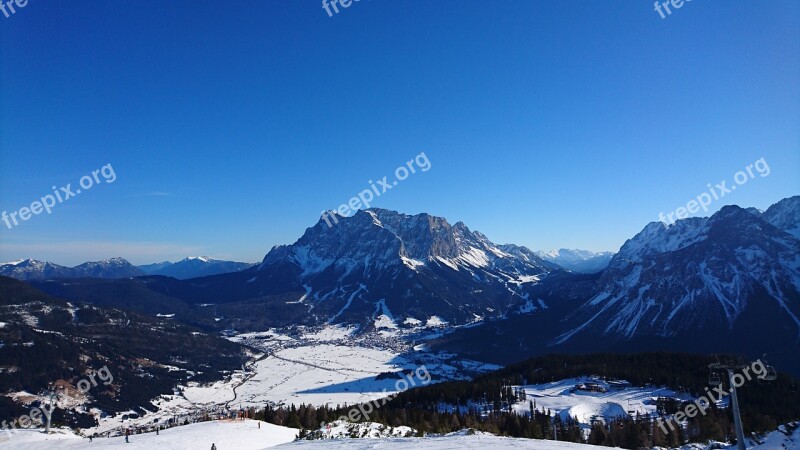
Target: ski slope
[
  {"x": 227, "y": 435},
  {"x": 456, "y": 441},
  {"x": 245, "y": 435}
]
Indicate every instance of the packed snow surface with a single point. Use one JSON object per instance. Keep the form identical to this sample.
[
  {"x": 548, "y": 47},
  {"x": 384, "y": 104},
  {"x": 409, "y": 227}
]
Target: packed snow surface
[
  {"x": 456, "y": 441},
  {"x": 227, "y": 435}
]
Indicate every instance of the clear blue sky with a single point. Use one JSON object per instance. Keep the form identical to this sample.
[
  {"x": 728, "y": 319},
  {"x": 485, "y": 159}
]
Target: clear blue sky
[{"x": 232, "y": 125}]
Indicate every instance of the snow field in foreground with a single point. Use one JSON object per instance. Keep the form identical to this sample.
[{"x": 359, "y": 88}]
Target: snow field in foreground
[
  {"x": 245, "y": 435},
  {"x": 227, "y": 435}
]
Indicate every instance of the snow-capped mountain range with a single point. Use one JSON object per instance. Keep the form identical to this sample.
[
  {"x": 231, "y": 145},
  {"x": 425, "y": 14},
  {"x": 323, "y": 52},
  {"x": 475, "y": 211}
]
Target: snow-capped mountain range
[
  {"x": 31, "y": 269},
  {"x": 193, "y": 267},
  {"x": 784, "y": 215},
  {"x": 701, "y": 272},
  {"x": 406, "y": 268},
  {"x": 582, "y": 261},
  {"x": 725, "y": 283},
  {"x": 704, "y": 281}
]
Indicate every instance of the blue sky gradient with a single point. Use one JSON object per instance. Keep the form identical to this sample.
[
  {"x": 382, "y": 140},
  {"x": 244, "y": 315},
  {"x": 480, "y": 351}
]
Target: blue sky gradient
[{"x": 232, "y": 125}]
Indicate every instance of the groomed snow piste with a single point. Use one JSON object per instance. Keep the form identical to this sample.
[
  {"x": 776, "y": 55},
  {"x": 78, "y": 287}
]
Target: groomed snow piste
[
  {"x": 227, "y": 435},
  {"x": 245, "y": 435}
]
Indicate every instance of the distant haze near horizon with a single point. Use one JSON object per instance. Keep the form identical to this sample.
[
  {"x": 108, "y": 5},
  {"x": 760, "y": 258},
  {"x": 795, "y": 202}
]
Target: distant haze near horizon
[
  {"x": 545, "y": 124},
  {"x": 94, "y": 249}
]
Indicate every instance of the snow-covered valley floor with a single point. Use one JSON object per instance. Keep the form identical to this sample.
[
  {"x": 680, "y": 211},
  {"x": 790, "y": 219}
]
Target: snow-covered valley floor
[{"x": 329, "y": 365}]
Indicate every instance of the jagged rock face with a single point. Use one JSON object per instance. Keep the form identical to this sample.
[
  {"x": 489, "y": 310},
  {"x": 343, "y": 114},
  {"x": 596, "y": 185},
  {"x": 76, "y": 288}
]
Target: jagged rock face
[
  {"x": 700, "y": 273},
  {"x": 388, "y": 238},
  {"x": 728, "y": 283},
  {"x": 381, "y": 262},
  {"x": 785, "y": 215}
]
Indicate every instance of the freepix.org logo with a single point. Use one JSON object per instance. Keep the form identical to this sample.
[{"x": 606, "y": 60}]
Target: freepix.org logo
[
  {"x": 62, "y": 194},
  {"x": 41, "y": 416},
  {"x": 9, "y": 7},
  {"x": 366, "y": 197},
  {"x": 334, "y": 5},
  {"x": 660, "y": 6},
  {"x": 702, "y": 404},
  {"x": 715, "y": 193}
]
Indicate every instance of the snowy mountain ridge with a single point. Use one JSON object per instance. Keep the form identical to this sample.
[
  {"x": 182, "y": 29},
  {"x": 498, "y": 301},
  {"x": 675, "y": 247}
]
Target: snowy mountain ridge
[
  {"x": 413, "y": 241},
  {"x": 581, "y": 261},
  {"x": 31, "y": 269},
  {"x": 732, "y": 275},
  {"x": 193, "y": 267},
  {"x": 784, "y": 215},
  {"x": 409, "y": 266},
  {"x": 667, "y": 280}
]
